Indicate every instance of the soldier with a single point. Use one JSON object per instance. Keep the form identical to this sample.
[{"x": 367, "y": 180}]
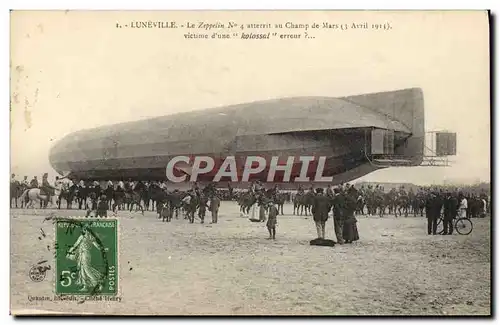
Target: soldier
[
  {"x": 25, "y": 182},
  {"x": 34, "y": 183},
  {"x": 13, "y": 179},
  {"x": 276, "y": 190},
  {"x": 320, "y": 208},
  {"x": 272, "y": 221},
  {"x": 46, "y": 187},
  {"x": 58, "y": 183},
  {"x": 163, "y": 186},
  {"x": 214, "y": 208},
  {"x": 202, "y": 206},
  {"x": 102, "y": 207},
  {"x": 338, "y": 214}
]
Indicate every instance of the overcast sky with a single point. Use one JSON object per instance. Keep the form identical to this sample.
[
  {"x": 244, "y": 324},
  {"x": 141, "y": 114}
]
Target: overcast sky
[{"x": 77, "y": 70}]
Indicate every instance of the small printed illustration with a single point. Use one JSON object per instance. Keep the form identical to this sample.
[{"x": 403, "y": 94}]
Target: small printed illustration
[{"x": 86, "y": 261}]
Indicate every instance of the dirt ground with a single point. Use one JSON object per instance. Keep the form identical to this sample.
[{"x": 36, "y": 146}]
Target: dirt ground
[{"x": 231, "y": 268}]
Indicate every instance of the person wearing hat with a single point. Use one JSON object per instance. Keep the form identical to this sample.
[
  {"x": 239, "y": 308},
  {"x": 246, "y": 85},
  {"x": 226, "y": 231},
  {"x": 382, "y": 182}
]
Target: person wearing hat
[
  {"x": 450, "y": 205},
  {"x": 25, "y": 183},
  {"x": 46, "y": 188},
  {"x": 202, "y": 207},
  {"x": 338, "y": 209},
  {"x": 320, "y": 208},
  {"x": 214, "y": 207},
  {"x": 102, "y": 207},
  {"x": 272, "y": 219},
  {"x": 433, "y": 207},
  {"x": 34, "y": 182}
]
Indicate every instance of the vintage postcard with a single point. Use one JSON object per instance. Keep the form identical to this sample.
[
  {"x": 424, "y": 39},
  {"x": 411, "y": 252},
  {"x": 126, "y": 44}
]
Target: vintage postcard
[{"x": 250, "y": 163}]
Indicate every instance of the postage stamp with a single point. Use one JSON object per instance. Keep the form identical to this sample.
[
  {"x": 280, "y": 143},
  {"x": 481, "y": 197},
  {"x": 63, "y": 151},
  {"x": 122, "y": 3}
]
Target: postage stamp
[{"x": 87, "y": 256}]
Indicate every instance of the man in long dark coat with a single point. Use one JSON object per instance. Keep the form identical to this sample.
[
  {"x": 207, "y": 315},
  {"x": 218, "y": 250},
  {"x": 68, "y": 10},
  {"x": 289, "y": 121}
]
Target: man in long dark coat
[
  {"x": 338, "y": 214},
  {"x": 450, "y": 212},
  {"x": 320, "y": 208}
]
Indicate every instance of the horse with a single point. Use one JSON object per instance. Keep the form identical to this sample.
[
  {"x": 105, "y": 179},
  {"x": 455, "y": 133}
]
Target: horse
[
  {"x": 360, "y": 205},
  {"x": 34, "y": 194},
  {"x": 133, "y": 198},
  {"x": 303, "y": 202},
  {"x": 118, "y": 198},
  {"x": 246, "y": 201},
  {"x": 402, "y": 203},
  {"x": 68, "y": 194},
  {"x": 380, "y": 201},
  {"x": 109, "y": 192},
  {"x": 165, "y": 211},
  {"x": 418, "y": 205},
  {"x": 190, "y": 207},
  {"x": 81, "y": 196},
  {"x": 156, "y": 196},
  {"x": 280, "y": 199}
]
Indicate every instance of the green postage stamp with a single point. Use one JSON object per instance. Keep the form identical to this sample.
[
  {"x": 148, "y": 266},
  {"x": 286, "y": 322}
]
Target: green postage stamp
[{"x": 86, "y": 257}]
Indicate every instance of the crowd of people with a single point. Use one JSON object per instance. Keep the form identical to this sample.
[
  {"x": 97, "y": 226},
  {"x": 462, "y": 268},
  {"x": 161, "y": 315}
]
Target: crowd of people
[{"x": 342, "y": 202}]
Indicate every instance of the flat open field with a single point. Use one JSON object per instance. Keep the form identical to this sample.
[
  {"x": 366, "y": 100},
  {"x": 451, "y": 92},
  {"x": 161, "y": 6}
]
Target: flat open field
[{"x": 231, "y": 268}]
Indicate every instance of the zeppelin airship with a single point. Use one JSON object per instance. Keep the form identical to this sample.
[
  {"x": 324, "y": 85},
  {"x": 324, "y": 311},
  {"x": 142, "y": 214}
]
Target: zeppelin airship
[{"x": 287, "y": 140}]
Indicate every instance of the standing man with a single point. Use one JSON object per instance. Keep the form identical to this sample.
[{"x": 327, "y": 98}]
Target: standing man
[
  {"x": 338, "y": 214},
  {"x": 214, "y": 207},
  {"x": 450, "y": 205},
  {"x": 320, "y": 208},
  {"x": 202, "y": 207},
  {"x": 433, "y": 210}
]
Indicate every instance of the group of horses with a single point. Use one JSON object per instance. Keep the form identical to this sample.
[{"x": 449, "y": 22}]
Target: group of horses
[
  {"x": 302, "y": 203},
  {"x": 397, "y": 204},
  {"x": 373, "y": 203},
  {"x": 145, "y": 197},
  {"x": 142, "y": 197}
]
